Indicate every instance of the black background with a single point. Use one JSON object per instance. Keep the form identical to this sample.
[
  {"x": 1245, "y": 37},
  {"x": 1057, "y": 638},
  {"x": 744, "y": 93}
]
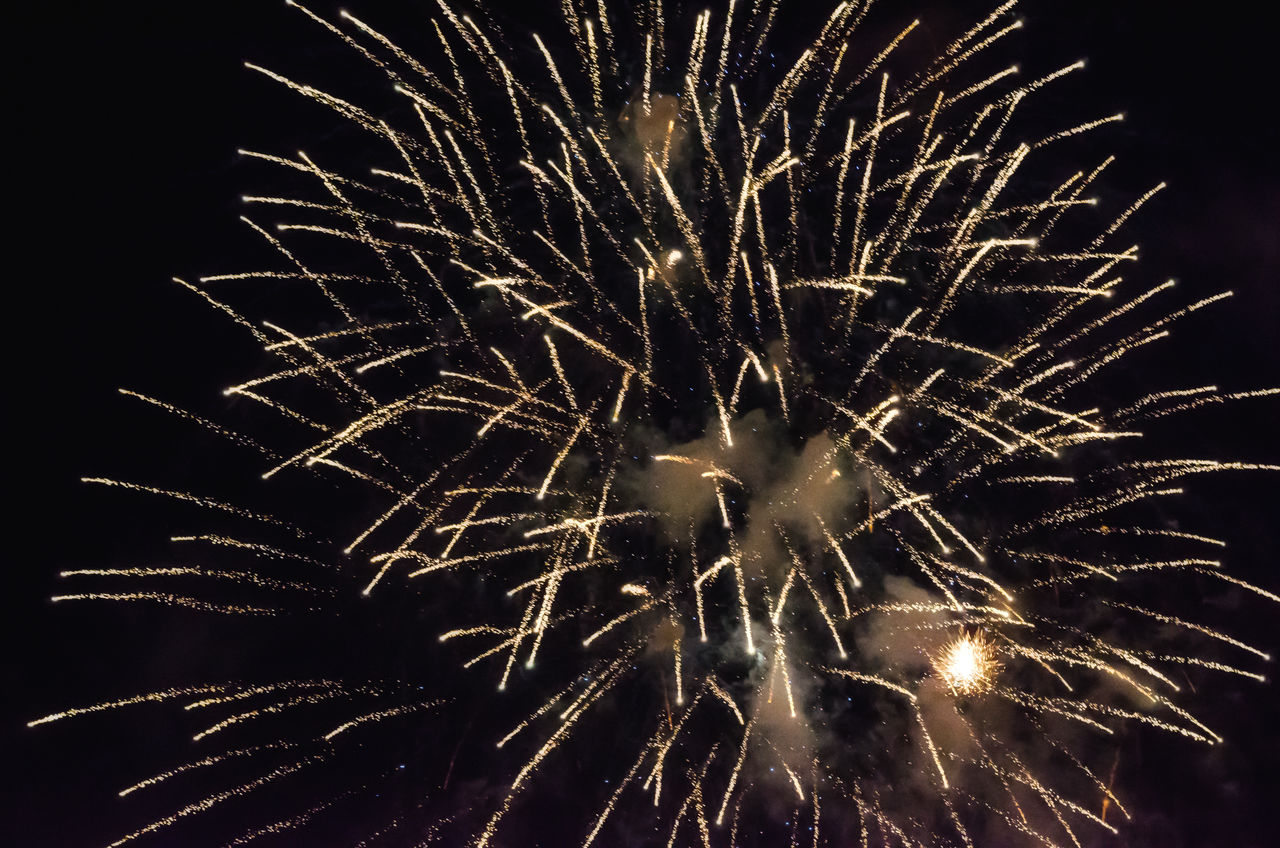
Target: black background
[{"x": 128, "y": 117}]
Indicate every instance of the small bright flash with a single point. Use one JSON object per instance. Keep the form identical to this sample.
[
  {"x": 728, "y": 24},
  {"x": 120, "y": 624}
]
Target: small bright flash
[{"x": 968, "y": 664}]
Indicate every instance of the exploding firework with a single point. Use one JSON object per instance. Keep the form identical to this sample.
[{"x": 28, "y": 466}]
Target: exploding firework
[
  {"x": 736, "y": 427},
  {"x": 968, "y": 664}
]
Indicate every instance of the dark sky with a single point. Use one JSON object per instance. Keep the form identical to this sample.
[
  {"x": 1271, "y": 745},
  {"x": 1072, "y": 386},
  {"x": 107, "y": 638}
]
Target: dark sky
[{"x": 128, "y": 116}]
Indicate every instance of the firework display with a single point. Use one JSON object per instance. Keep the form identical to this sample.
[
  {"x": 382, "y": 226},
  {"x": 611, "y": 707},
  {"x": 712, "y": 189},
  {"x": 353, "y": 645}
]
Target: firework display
[{"x": 723, "y": 428}]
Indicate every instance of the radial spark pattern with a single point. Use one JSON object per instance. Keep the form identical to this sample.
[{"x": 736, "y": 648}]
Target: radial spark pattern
[
  {"x": 968, "y": 664},
  {"x": 735, "y": 418}
]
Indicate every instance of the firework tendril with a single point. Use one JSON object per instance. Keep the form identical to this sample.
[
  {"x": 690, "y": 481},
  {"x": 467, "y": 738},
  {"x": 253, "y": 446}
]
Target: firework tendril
[{"x": 736, "y": 419}]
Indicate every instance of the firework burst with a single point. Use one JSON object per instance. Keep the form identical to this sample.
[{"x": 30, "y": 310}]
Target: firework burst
[
  {"x": 968, "y": 664},
  {"x": 731, "y": 418}
]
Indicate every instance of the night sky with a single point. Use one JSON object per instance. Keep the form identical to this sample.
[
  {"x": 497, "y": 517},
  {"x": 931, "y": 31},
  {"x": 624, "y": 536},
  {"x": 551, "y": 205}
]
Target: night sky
[{"x": 128, "y": 117}]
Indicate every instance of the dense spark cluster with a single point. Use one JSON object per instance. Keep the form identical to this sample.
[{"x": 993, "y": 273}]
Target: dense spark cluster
[
  {"x": 968, "y": 664},
  {"x": 748, "y": 412}
]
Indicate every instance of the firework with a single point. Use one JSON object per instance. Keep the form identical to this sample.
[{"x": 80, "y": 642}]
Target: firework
[
  {"x": 968, "y": 664},
  {"x": 736, "y": 420}
]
